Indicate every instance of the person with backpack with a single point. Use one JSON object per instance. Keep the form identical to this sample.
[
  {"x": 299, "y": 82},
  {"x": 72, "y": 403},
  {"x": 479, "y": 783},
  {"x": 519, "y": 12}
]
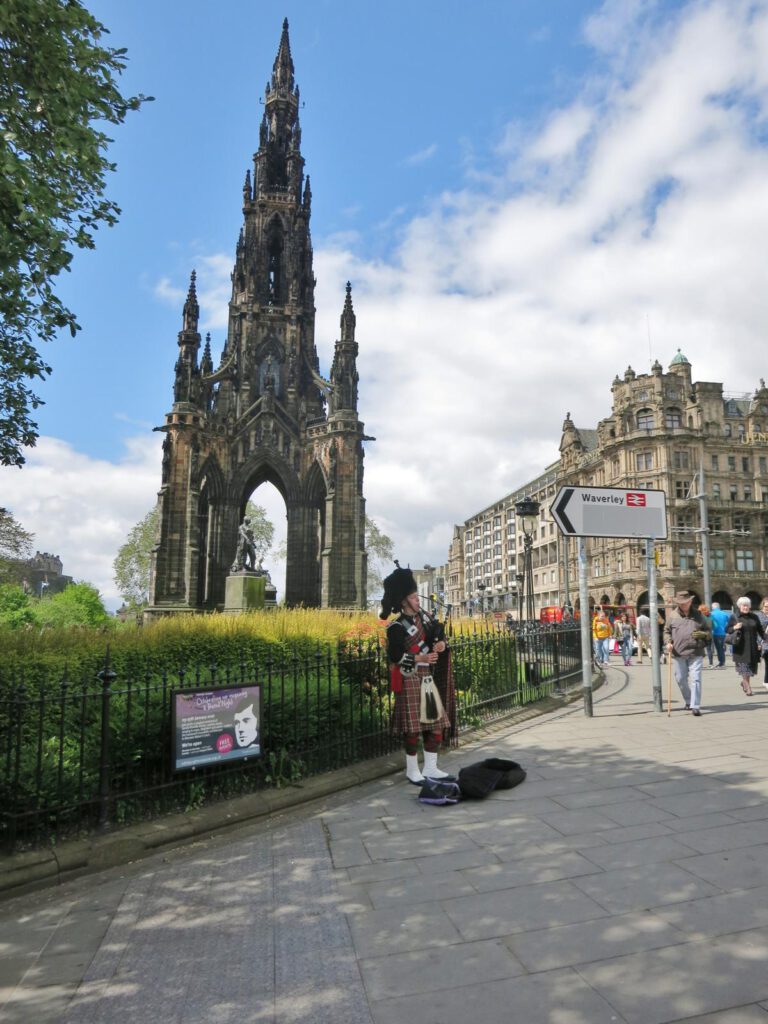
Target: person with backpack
[{"x": 720, "y": 619}]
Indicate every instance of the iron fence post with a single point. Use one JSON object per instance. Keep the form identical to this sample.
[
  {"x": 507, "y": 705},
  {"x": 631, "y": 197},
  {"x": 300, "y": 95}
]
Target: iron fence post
[{"x": 106, "y": 676}]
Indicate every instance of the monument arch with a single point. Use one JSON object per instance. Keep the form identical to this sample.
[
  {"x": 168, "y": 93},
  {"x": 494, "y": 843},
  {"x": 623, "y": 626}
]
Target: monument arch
[{"x": 265, "y": 413}]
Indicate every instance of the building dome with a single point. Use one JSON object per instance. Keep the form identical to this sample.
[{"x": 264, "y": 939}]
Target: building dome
[{"x": 680, "y": 360}]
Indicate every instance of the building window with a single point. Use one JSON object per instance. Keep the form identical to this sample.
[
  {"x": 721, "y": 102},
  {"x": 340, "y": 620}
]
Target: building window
[
  {"x": 715, "y": 466},
  {"x": 680, "y": 460},
  {"x": 642, "y": 396},
  {"x": 497, "y": 522},
  {"x": 745, "y": 561},
  {"x": 727, "y": 430},
  {"x": 673, "y": 419},
  {"x": 742, "y": 431},
  {"x": 717, "y": 560},
  {"x": 741, "y": 523},
  {"x": 732, "y": 463},
  {"x": 745, "y": 466},
  {"x": 643, "y": 461},
  {"x": 732, "y": 491},
  {"x": 687, "y": 559},
  {"x": 681, "y": 488},
  {"x": 716, "y": 490},
  {"x": 645, "y": 419},
  {"x": 763, "y": 465},
  {"x": 715, "y": 524},
  {"x": 747, "y": 492}
]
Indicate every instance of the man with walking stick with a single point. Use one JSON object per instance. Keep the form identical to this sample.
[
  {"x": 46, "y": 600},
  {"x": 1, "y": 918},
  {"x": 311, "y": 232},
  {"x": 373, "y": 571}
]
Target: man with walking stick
[{"x": 686, "y": 635}]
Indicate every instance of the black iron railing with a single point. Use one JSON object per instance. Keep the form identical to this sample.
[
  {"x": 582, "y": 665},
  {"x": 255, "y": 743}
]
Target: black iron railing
[{"x": 96, "y": 753}]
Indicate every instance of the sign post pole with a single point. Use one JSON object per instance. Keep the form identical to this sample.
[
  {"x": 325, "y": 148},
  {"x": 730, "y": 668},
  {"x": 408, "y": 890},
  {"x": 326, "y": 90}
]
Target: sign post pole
[
  {"x": 653, "y": 614},
  {"x": 586, "y": 629}
]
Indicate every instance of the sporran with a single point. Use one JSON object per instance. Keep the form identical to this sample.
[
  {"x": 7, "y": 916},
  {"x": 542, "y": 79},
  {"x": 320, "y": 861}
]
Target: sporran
[{"x": 431, "y": 705}]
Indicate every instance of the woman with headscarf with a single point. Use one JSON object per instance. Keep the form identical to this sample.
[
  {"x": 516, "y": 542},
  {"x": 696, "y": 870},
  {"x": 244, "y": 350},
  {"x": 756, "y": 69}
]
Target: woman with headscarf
[
  {"x": 747, "y": 634},
  {"x": 420, "y": 676}
]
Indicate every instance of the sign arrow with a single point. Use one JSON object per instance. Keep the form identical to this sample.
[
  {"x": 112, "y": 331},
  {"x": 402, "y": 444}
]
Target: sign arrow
[{"x": 558, "y": 511}]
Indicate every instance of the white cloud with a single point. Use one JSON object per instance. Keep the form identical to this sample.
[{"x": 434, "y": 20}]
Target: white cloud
[
  {"x": 421, "y": 156},
  {"x": 81, "y": 508}
]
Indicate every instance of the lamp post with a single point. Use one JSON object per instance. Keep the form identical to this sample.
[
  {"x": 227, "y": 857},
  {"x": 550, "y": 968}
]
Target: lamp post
[
  {"x": 481, "y": 592},
  {"x": 527, "y": 512}
]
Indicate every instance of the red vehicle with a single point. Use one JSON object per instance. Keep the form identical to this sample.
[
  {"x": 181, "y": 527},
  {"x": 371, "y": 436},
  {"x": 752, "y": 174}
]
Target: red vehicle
[{"x": 551, "y": 613}]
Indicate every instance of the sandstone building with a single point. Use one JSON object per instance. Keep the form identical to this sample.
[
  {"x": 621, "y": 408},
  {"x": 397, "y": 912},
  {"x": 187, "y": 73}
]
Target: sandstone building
[{"x": 665, "y": 431}]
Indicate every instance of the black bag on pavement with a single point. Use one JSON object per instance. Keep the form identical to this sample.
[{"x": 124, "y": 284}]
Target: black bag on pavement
[
  {"x": 477, "y": 781},
  {"x": 438, "y": 792}
]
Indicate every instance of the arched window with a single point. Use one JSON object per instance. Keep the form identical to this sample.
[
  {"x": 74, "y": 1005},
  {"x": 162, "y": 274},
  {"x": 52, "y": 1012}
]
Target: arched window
[
  {"x": 727, "y": 430},
  {"x": 645, "y": 419},
  {"x": 275, "y": 283}
]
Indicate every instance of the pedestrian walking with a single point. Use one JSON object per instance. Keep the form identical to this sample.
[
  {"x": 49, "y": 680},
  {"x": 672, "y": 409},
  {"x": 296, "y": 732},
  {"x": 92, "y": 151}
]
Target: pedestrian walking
[
  {"x": 420, "y": 676},
  {"x": 706, "y": 615},
  {"x": 643, "y": 635},
  {"x": 747, "y": 634},
  {"x": 601, "y": 637},
  {"x": 719, "y": 622},
  {"x": 686, "y": 636},
  {"x": 762, "y": 614},
  {"x": 623, "y": 631}
]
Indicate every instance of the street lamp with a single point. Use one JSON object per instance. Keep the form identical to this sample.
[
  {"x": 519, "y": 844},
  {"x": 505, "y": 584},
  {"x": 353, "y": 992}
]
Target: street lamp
[
  {"x": 527, "y": 513},
  {"x": 481, "y": 591}
]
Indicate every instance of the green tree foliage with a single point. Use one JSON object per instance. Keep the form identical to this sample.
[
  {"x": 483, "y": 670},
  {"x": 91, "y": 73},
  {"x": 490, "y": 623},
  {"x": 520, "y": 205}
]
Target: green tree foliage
[
  {"x": 15, "y": 610},
  {"x": 132, "y": 564},
  {"x": 15, "y": 547},
  {"x": 58, "y": 86},
  {"x": 380, "y": 549},
  {"x": 262, "y": 528},
  {"x": 79, "y": 604}
]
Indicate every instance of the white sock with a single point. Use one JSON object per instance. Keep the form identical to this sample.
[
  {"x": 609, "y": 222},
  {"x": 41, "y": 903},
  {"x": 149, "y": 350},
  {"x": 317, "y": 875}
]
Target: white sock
[
  {"x": 431, "y": 770},
  {"x": 412, "y": 768}
]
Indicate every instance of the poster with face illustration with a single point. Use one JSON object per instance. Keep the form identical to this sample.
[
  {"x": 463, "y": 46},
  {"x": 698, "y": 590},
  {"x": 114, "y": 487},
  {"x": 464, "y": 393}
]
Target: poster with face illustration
[{"x": 216, "y": 725}]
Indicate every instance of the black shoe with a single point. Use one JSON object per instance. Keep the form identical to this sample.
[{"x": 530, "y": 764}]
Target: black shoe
[
  {"x": 695, "y": 711},
  {"x": 687, "y": 707}
]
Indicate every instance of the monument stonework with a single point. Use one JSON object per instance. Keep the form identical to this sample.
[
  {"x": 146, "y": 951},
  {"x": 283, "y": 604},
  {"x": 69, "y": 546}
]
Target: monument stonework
[{"x": 265, "y": 413}]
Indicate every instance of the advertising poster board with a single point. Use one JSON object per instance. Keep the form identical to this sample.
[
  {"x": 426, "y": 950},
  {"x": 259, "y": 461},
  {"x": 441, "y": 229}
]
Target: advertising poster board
[{"x": 216, "y": 725}]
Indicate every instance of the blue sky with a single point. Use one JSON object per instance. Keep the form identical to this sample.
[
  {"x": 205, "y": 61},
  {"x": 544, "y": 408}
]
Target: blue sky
[{"x": 527, "y": 196}]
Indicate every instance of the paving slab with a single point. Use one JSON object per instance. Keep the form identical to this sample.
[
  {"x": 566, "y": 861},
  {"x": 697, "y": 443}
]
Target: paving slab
[
  {"x": 681, "y": 981},
  {"x": 444, "y": 967},
  {"x": 506, "y": 911},
  {"x": 593, "y": 941},
  {"x": 555, "y": 996}
]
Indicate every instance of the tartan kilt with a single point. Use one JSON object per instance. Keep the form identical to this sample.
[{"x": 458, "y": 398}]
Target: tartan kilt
[{"x": 405, "y": 719}]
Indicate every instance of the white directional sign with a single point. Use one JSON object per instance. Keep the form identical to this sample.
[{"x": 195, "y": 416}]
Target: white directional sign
[{"x": 610, "y": 512}]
